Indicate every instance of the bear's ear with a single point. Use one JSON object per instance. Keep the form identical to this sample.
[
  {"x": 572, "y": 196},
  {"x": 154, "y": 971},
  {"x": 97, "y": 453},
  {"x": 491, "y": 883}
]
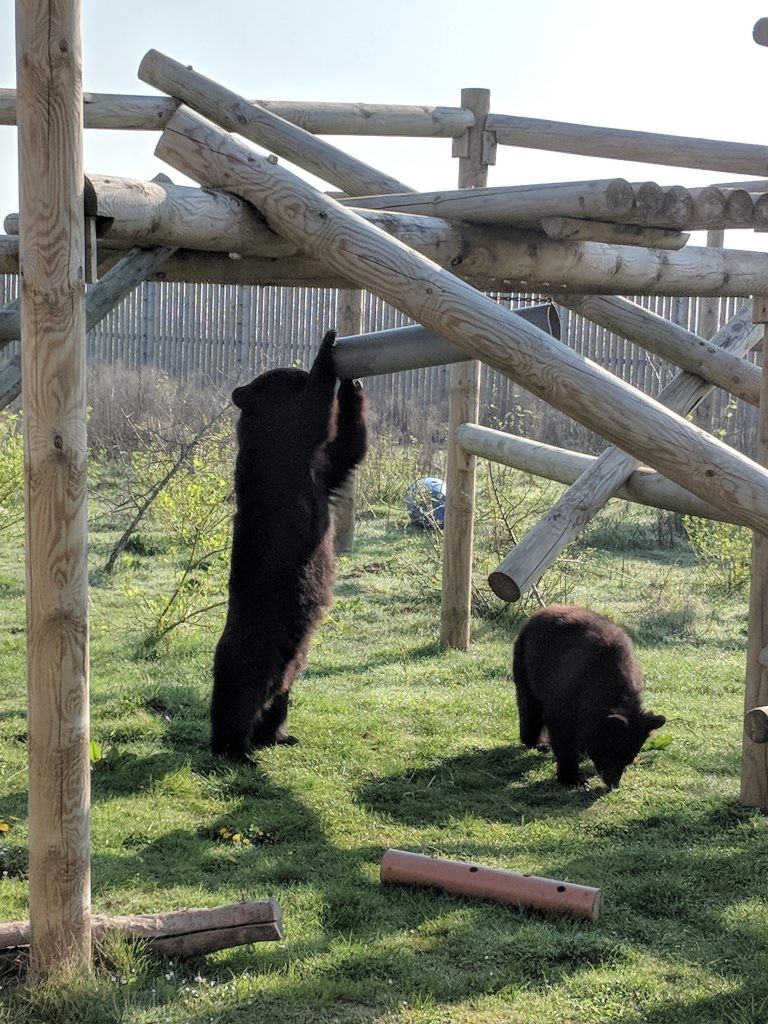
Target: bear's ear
[
  {"x": 617, "y": 720},
  {"x": 239, "y": 397}
]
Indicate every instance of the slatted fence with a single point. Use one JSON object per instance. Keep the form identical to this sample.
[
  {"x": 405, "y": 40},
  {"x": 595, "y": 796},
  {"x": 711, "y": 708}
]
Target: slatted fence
[{"x": 220, "y": 335}]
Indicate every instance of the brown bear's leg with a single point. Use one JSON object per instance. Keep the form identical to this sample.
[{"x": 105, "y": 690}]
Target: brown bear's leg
[{"x": 270, "y": 725}]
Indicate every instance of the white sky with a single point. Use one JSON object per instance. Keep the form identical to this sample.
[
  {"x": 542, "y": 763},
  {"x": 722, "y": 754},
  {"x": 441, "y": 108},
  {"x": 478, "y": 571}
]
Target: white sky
[{"x": 682, "y": 67}]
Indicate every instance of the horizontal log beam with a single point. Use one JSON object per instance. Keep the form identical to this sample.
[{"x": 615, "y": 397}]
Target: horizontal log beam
[
  {"x": 470, "y": 320},
  {"x": 700, "y": 356},
  {"x": 611, "y": 199},
  {"x": 499, "y": 261},
  {"x": 179, "y": 932},
  {"x": 236, "y": 114},
  {"x": 619, "y": 144},
  {"x": 410, "y": 348},
  {"x": 572, "y": 229},
  {"x": 643, "y": 487},
  {"x": 151, "y": 113}
]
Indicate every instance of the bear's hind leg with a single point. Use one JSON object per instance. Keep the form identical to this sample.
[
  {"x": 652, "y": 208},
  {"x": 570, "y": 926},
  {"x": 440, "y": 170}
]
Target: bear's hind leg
[
  {"x": 234, "y": 709},
  {"x": 532, "y": 731},
  {"x": 269, "y": 728}
]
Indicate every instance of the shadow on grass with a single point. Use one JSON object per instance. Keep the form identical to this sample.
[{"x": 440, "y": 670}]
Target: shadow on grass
[{"x": 488, "y": 784}]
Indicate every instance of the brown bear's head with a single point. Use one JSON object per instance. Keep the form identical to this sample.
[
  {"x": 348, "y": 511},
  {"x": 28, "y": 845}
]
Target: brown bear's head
[{"x": 617, "y": 742}]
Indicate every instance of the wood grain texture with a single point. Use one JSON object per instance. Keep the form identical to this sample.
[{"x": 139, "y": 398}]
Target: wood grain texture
[
  {"x": 453, "y": 309},
  {"x": 49, "y": 70},
  {"x": 568, "y": 229},
  {"x": 528, "y": 561},
  {"x": 349, "y": 321},
  {"x": 258, "y": 124}
]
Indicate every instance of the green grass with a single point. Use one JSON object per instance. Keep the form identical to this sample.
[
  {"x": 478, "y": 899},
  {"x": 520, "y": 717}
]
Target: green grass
[{"x": 405, "y": 745}]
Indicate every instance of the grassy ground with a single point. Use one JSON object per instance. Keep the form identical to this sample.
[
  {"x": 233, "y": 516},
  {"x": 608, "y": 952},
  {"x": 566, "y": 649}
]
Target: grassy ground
[{"x": 405, "y": 745}]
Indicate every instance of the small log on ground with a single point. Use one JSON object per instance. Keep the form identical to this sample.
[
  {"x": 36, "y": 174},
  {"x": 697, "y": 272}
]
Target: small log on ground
[
  {"x": 458, "y": 312},
  {"x": 410, "y": 348},
  {"x": 607, "y": 200},
  {"x": 525, "y": 564},
  {"x": 572, "y": 229},
  {"x": 179, "y": 932},
  {"x": 256, "y": 123},
  {"x": 643, "y": 486},
  {"x": 687, "y": 350},
  {"x": 468, "y": 879}
]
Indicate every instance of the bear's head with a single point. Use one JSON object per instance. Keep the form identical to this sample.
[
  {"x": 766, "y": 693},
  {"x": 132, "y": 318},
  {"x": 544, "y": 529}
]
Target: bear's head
[{"x": 617, "y": 740}]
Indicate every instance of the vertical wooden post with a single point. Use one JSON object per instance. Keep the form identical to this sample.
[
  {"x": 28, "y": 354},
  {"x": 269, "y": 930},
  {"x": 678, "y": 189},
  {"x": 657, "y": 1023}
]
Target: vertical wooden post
[
  {"x": 349, "y": 317},
  {"x": 51, "y": 258},
  {"x": 707, "y": 324},
  {"x": 754, "y": 756},
  {"x": 464, "y": 404}
]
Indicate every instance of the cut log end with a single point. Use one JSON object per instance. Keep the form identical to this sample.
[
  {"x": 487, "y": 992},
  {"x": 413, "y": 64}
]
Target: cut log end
[
  {"x": 504, "y": 586},
  {"x": 756, "y": 724}
]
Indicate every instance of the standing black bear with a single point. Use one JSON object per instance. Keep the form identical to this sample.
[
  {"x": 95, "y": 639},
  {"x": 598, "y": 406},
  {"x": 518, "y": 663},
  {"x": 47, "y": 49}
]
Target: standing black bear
[
  {"x": 579, "y": 688},
  {"x": 297, "y": 445}
]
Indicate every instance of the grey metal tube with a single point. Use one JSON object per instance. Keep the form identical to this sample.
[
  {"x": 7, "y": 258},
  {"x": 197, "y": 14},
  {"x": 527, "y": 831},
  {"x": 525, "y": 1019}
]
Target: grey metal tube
[{"x": 409, "y": 348}]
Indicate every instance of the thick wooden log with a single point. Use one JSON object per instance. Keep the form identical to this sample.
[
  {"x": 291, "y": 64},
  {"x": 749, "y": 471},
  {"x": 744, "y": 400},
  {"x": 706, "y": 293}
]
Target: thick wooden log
[
  {"x": 134, "y": 212},
  {"x": 525, "y": 564},
  {"x": 159, "y": 213},
  {"x": 179, "y": 932},
  {"x": 619, "y": 144},
  {"x": 689, "y": 351},
  {"x": 409, "y": 348},
  {"x": 512, "y": 204},
  {"x": 49, "y": 69},
  {"x": 650, "y": 200},
  {"x": 453, "y": 309},
  {"x": 571, "y": 229},
  {"x": 499, "y": 260},
  {"x": 236, "y": 114},
  {"x": 102, "y": 297},
  {"x": 150, "y": 113},
  {"x": 468, "y": 879},
  {"x": 643, "y": 486}
]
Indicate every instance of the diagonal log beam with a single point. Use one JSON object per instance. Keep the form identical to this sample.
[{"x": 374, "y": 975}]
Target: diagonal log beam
[
  {"x": 702, "y": 356},
  {"x": 237, "y": 114},
  {"x": 102, "y": 297},
  {"x": 525, "y": 564},
  {"x": 453, "y": 309}
]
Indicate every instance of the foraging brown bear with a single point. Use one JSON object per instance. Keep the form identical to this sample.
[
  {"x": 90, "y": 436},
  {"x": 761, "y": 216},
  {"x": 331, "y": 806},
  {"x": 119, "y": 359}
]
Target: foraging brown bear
[
  {"x": 297, "y": 445},
  {"x": 579, "y": 690}
]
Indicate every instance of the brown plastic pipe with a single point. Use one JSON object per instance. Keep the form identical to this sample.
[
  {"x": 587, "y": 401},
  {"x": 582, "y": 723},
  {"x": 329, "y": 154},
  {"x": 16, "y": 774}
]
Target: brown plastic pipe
[{"x": 491, "y": 883}]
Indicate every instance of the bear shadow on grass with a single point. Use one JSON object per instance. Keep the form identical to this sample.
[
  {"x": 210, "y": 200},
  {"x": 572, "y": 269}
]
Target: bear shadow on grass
[{"x": 489, "y": 784}]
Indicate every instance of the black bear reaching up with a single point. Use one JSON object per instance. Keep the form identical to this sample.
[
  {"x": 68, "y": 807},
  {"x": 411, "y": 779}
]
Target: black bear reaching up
[
  {"x": 297, "y": 445},
  {"x": 579, "y": 690}
]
